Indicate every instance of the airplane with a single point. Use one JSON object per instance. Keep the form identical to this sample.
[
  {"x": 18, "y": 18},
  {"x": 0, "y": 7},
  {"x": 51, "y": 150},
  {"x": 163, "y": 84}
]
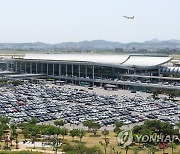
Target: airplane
[{"x": 128, "y": 17}]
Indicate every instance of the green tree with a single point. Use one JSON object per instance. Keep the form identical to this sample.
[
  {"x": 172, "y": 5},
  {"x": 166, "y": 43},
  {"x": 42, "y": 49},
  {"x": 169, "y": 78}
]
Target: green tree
[
  {"x": 117, "y": 130},
  {"x": 118, "y": 125},
  {"x": 52, "y": 130},
  {"x": 81, "y": 134},
  {"x": 59, "y": 122},
  {"x": 1, "y": 133},
  {"x": 64, "y": 132},
  {"x": 13, "y": 135},
  {"x": 172, "y": 145},
  {"x": 105, "y": 132},
  {"x": 57, "y": 131},
  {"x": 26, "y": 132},
  {"x": 94, "y": 127},
  {"x": 137, "y": 129},
  {"x": 4, "y": 126},
  {"x": 13, "y": 126},
  {"x": 151, "y": 127},
  {"x": 33, "y": 121},
  {"x": 73, "y": 133},
  {"x": 4, "y": 120},
  {"x": 34, "y": 131},
  {"x": 87, "y": 123}
]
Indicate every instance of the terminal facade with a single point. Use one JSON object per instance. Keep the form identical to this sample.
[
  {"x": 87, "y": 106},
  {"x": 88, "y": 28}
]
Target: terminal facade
[
  {"x": 87, "y": 68},
  {"x": 93, "y": 68}
]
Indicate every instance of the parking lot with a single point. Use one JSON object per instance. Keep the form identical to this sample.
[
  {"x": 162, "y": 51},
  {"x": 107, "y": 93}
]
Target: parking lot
[{"x": 75, "y": 104}]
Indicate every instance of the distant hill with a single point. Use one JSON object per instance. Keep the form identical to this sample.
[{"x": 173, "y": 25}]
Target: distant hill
[
  {"x": 90, "y": 45},
  {"x": 174, "y": 41},
  {"x": 152, "y": 41},
  {"x": 171, "y": 42},
  {"x": 95, "y": 44}
]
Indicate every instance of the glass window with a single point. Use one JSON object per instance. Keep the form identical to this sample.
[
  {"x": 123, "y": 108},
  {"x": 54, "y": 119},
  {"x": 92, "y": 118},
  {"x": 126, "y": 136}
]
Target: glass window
[
  {"x": 82, "y": 71},
  {"x": 50, "y": 69},
  {"x": 90, "y": 71},
  {"x": 44, "y": 68},
  {"x": 56, "y": 69},
  {"x": 69, "y": 70},
  {"x": 76, "y": 70},
  {"x": 39, "y": 68},
  {"x": 33, "y": 67},
  {"x": 27, "y": 67},
  {"x": 63, "y": 69}
]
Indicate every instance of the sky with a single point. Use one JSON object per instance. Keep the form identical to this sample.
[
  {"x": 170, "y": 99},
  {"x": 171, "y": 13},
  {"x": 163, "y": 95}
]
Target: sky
[{"x": 56, "y": 21}]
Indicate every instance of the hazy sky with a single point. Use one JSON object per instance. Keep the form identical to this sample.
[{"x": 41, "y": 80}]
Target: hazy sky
[{"x": 55, "y": 21}]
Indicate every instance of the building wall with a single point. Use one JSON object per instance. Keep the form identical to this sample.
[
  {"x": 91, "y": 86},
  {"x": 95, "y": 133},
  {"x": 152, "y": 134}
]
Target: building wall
[{"x": 67, "y": 69}]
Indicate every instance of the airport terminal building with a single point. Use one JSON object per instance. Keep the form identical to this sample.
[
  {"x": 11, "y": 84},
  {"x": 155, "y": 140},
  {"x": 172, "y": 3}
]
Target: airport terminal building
[
  {"x": 86, "y": 65},
  {"x": 92, "y": 67}
]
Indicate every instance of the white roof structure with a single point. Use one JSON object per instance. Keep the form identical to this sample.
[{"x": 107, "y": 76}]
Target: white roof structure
[
  {"x": 115, "y": 59},
  {"x": 146, "y": 61},
  {"x": 120, "y": 60}
]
